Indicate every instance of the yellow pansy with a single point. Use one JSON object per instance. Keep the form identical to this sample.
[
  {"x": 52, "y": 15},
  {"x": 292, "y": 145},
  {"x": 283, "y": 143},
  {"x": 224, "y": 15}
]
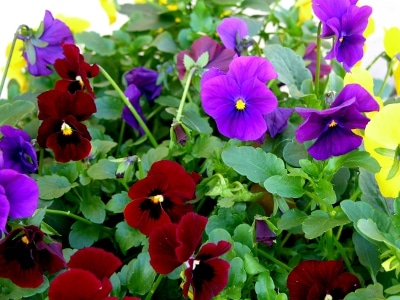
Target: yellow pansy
[
  {"x": 75, "y": 24},
  {"x": 383, "y": 132},
  {"x": 111, "y": 10},
  {"x": 392, "y": 48},
  {"x": 305, "y": 10},
  {"x": 17, "y": 66}
]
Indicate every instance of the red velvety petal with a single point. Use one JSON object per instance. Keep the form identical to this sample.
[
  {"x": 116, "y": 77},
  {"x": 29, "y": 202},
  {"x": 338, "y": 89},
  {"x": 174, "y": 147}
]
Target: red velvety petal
[
  {"x": 162, "y": 245},
  {"x": 189, "y": 234},
  {"x": 51, "y": 257},
  {"x": 70, "y": 64},
  {"x": 346, "y": 282},
  {"x": 145, "y": 187},
  {"x": 78, "y": 284},
  {"x": 25, "y": 278},
  {"x": 211, "y": 250},
  {"x": 327, "y": 271},
  {"x": 47, "y": 128},
  {"x": 301, "y": 279},
  {"x": 93, "y": 259}
]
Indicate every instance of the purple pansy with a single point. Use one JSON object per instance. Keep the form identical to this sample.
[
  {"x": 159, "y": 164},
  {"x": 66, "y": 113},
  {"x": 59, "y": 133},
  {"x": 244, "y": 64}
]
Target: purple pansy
[
  {"x": 346, "y": 21},
  {"x": 239, "y": 99},
  {"x": 133, "y": 94},
  {"x": 146, "y": 81},
  {"x": 233, "y": 33},
  {"x": 19, "y": 196},
  {"x": 17, "y": 150},
  {"x": 43, "y": 50},
  {"x": 263, "y": 233},
  {"x": 277, "y": 120},
  {"x": 332, "y": 128},
  {"x": 310, "y": 56}
]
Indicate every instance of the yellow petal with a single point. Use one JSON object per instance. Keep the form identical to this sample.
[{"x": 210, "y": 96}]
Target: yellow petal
[
  {"x": 305, "y": 10},
  {"x": 17, "y": 66},
  {"x": 396, "y": 76},
  {"x": 110, "y": 9},
  {"x": 75, "y": 24},
  {"x": 370, "y": 27},
  {"x": 383, "y": 132},
  {"x": 361, "y": 76},
  {"x": 391, "y": 41}
]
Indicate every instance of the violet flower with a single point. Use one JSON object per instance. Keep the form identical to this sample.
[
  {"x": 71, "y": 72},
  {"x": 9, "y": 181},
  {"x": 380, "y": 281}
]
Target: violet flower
[
  {"x": 234, "y": 34},
  {"x": 346, "y": 22},
  {"x": 263, "y": 233},
  {"x": 146, "y": 81},
  {"x": 310, "y": 56},
  {"x": 239, "y": 99},
  {"x": 133, "y": 94},
  {"x": 332, "y": 126},
  {"x": 43, "y": 50},
  {"x": 19, "y": 196},
  {"x": 17, "y": 150},
  {"x": 277, "y": 120}
]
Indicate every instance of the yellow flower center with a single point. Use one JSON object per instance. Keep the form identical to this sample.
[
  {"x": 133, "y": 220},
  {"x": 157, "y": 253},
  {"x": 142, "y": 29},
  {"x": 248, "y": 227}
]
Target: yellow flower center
[
  {"x": 79, "y": 78},
  {"x": 66, "y": 129},
  {"x": 332, "y": 124},
  {"x": 157, "y": 199},
  {"x": 25, "y": 240},
  {"x": 240, "y": 104}
]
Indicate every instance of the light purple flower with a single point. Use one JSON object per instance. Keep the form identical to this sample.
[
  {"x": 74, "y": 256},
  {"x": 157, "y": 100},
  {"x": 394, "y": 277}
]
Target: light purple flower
[
  {"x": 133, "y": 94},
  {"x": 145, "y": 80},
  {"x": 234, "y": 34},
  {"x": 332, "y": 128},
  {"x": 239, "y": 99},
  {"x": 43, "y": 50},
  {"x": 19, "y": 196},
  {"x": 346, "y": 22},
  {"x": 17, "y": 150}
]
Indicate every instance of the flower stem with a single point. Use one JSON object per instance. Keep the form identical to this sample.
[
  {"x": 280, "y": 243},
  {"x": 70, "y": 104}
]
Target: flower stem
[
  {"x": 121, "y": 136},
  {"x": 154, "y": 286},
  {"x": 318, "y": 62},
  {"x": 184, "y": 95},
  {"x": 389, "y": 69},
  {"x": 130, "y": 106},
  {"x": 375, "y": 60},
  {"x": 274, "y": 260}
]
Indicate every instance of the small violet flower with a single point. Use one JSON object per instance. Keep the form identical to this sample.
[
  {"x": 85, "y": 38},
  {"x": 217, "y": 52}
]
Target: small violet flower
[
  {"x": 332, "y": 126},
  {"x": 43, "y": 47},
  {"x": 146, "y": 82},
  {"x": 172, "y": 245},
  {"x": 218, "y": 56},
  {"x": 239, "y": 99},
  {"x": 234, "y": 34},
  {"x": 346, "y": 22},
  {"x": 19, "y": 196},
  {"x": 25, "y": 254},
  {"x": 161, "y": 197},
  {"x": 263, "y": 233},
  {"x": 16, "y": 150},
  {"x": 312, "y": 279}
]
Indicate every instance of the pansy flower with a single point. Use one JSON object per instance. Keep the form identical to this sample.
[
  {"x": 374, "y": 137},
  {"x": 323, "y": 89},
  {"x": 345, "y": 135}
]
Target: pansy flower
[
  {"x": 239, "y": 99},
  {"x": 161, "y": 197},
  {"x": 133, "y": 94},
  {"x": 25, "y": 255},
  {"x": 145, "y": 80},
  {"x": 218, "y": 56},
  {"x": 87, "y": 277},
  {"x": 331, "y": 126},
  {"x": 263, "y": 233},
  {"x": 346, "y": 22},
  {"x": 234, "y": 34},
  {"x": 172, "y": 245},
  {"x": 392, "y": 49},
  {"x": 17, "y": 150},
  {"x": 310, "y": 57},
  {"x": 19, "y": 196},
  {"x": 43, "y": 47},
  {"x": 74, "y": 71},
  {"x": 61, "y": 129},
  {"x": 312, "y": 279}
]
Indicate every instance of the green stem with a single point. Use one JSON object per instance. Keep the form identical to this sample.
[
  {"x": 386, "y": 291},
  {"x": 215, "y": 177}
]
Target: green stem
[
  {"x": 41, "y": 158},
  {"x": 154, "y": 287},
  {"x": 78, "y": 218},
  {"x": 131, "y": 108},
  {"x": 121, "y": 136},
  {"x": 389, "y": 69},
  {"x": 318, "y": 62},
  {"x": 184, "y": 95},
  {"x": 345, "y": 258},
  {"x": 274, "y": 260},
  {"x": 375, "y": 60},
  {"x": 329, "y": 244}
]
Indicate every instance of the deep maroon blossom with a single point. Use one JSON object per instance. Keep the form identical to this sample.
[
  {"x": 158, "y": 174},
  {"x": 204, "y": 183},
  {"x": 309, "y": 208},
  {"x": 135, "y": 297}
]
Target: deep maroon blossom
[
  {"x": 218, "y": 56},
  {"x": 346, "y": 22},
  {"x": 263, "y": 233},
  {"x": 310, "y": 57},
  {"x": 87, "y": 277},
  {"x": 19, "y": 196},
  {"x": 234, "y": 34},
  {"x": 43, "y": 47},
  {"x": 161, "y": 197},
  {"x": 146, "y": 81},
  {"x": 133, "y": 94},
  {"x": 239, "y": 99},
  {"x": 172, "y": 245},
  {"x": 312, "y": 279},
  {"x": 25, "y": 255},
  {"x": 61, "y": 129},
  {"x": 332, "y": 126},
  {"x": 16, "y": 150},
  {"x": 74, "y": 71}
]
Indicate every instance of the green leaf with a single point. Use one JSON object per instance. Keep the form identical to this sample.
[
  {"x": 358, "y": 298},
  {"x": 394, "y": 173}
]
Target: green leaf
[
  {"x": 244, "y": 234},
  {"x": 205, "y": 146},
  {"x": 13, "y": 112},
  {"x": 82, "y": 235},
  {"x": 371, "y": 193},
  {"x": 191, "y": 118},
  {"x": 142, "y": 279},
  {"x": 293, "y": 152},
  {"x": 285, "y": 186},
  {"x": 202, "y": 61},
  {"x": 165, "y": 43},
  {"x": 143, "y": 17},
  {"x": 108, "y": 108},
  {"x": 53, "y": 186},
  {"x": 353, "y": 159},
  {"x": 254, "y": 163},
  {"x": 237, "y": 274},
  {"x": 94, "y": 41},
  {"x": 320, "y": 221},
  {"x": 152, "y": 156},
  {"x": 367, "y": 253},
  {"x": 200, "y": 18},
  {"x": 103, "y": 169},
  {"x": 93, "y": 209},
  {"x": 128, "y": 237},
  {"x": 10, "y": 291},
  {"x": 357, "y": 210},
  {"x": 370, "y": 229},
  {"x": 291, "y": 218},
  {"x": 289, "y": 66},
  {"x": 371, "y": 292},
  {"x": 118, "y": 202},
  {"x": 265, "y": 287},
  {"x": 324, "y": 190},
  {"x": 252, "y": 266}
]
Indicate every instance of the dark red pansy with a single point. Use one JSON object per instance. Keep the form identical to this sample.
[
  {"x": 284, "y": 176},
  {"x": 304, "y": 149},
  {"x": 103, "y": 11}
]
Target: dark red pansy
[
  {"x": 25, "y": 257},
  {"x": 74, "y": 71},
  {"x": 207, "y": 274},
  {"x": 312, "y": 279},
  {"x": 161, "y": 197}
]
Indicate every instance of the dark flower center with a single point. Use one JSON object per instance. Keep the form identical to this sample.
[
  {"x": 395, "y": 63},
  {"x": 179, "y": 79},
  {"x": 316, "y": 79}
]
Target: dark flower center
[
  {"x": 156, "y": 202},
  {"x": 21, "y": 251},
  {"x": 201, "y": 272}
]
